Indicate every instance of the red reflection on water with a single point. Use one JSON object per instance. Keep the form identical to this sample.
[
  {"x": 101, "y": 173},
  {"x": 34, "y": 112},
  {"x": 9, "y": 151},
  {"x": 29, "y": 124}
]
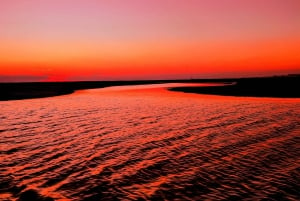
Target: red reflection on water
[{"x": 145, "y": 141}]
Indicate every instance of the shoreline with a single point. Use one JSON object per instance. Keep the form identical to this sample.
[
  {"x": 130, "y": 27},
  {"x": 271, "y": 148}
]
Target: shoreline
[
  {"x": 33, "y": 90},
  {"x": 275, "y": 87},
  {"x": 269, "y": 87}
]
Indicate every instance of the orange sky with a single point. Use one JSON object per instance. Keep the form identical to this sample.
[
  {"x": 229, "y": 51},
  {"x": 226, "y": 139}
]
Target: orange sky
[{"x": 99, "y": 40}]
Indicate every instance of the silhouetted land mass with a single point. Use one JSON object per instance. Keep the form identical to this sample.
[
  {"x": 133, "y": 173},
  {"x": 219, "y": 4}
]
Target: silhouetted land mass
[
  {"x": 26, "y": 90},
  {"x": 279, "y": 86}
]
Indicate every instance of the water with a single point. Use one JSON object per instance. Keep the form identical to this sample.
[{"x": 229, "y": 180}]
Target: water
[{"x": 148, "y": 143}]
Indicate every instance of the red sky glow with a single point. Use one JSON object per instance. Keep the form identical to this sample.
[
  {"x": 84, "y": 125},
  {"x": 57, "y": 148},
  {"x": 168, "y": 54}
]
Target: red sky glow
[{"x": 67, "y": 40}]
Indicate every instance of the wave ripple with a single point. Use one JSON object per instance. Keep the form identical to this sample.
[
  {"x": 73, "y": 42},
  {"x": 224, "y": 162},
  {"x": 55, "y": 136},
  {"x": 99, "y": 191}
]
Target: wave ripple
[{"x": 149, "y": 144}]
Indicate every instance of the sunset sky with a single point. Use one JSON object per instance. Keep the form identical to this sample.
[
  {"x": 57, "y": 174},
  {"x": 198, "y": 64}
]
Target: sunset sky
[{"x": 66, "y": 40}]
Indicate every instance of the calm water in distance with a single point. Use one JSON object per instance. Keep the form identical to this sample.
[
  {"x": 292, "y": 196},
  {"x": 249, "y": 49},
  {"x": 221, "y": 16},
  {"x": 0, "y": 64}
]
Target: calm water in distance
[{"x": 148, "y": 143}]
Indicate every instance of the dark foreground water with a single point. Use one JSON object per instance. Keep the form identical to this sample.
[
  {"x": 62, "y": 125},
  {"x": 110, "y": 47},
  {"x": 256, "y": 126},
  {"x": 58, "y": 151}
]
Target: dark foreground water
[{"x": 147, "y": 143}]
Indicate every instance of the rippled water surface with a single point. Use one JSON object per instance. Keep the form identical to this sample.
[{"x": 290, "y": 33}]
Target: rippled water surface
[{"x": 148, "y": 143}]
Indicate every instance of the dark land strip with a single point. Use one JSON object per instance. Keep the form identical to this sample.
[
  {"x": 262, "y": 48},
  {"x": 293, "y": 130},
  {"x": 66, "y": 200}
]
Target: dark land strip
[
  {"x": 279, "y": 86},
  {"x": 276, "y": 87},
  {"x": 28, "y": 90}
]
